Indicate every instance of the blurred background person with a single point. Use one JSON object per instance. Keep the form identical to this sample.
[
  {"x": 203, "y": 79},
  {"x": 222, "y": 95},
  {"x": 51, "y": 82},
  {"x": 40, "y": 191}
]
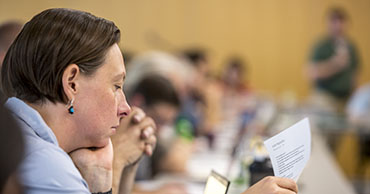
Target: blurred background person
[
  {"x": 159, "y": 99},
  {"x": 235, "y": 89},
  {"x": 358, "y": 108},
  {"x": 238, "y": 101},
  {"x": 192, "y": 114},
  {"x": 201, "y": 109},
  {"x": 158, "y": 82},
  {"x": 11, "y": 153},
  {"x": 358, "y": 111},
  {"x": 180, "y": 73},
  {"x": 333, "y": 69},
  {"x": 12, "y": 142},
  {"x": 8, "y": 32},
  {"x": 334, "y": 64}
]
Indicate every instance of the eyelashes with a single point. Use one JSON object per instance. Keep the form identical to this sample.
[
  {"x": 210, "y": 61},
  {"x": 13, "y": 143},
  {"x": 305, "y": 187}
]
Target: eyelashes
[{"x": 118, "y": 87}]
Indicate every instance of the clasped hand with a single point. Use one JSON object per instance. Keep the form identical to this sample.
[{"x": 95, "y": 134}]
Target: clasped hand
[{"x": 135, "y": 137}]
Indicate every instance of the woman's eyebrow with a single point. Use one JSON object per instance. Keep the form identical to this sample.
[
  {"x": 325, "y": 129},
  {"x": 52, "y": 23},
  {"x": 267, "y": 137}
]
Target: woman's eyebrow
[{"x": 119, "y": 76}]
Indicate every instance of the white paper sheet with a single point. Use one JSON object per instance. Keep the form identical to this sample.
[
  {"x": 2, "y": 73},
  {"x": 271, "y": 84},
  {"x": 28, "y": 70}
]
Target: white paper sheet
[{"x": 290, "y": 150}]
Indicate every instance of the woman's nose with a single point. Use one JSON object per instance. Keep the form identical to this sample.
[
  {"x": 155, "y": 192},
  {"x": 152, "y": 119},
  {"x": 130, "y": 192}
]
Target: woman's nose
[{"x": 124, "y": 108}]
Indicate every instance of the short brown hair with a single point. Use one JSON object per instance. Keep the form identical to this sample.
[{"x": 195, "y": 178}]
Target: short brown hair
[
  {"x": 337, "y": 13},
  {"x": 55, "y": 38}
]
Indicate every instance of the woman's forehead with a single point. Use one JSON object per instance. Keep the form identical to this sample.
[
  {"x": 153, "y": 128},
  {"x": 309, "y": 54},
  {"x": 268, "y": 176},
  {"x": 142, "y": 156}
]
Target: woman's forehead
[{"x": 114, "y": 64}]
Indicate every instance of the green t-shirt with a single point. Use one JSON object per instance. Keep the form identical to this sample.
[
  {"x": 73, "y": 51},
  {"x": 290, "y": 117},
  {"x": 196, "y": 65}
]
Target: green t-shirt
[{"x": 340, "y": 84}]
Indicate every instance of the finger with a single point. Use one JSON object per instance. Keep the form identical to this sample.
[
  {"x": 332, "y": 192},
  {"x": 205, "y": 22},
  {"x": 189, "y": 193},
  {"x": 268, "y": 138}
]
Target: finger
[
  {"x": 152, "y": 140},
  {"x": 147, "y": 132},
  {"x": 134, "y": 117},
  {"x": 138, "y": 115},
  {"x": 148, "y": 150},
  {"x": 150, "y": 145},
  {"x": 146, "y": 122},
  {"x": 287, "y": 184}
]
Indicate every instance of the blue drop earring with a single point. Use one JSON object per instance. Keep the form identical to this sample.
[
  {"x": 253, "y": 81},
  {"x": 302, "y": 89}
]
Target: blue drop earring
[{"x": 71, "y": 110}]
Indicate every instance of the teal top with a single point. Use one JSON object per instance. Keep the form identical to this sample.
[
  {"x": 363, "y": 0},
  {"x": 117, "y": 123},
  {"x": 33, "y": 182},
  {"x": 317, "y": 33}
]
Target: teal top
[{"x": 339, "y": 85}]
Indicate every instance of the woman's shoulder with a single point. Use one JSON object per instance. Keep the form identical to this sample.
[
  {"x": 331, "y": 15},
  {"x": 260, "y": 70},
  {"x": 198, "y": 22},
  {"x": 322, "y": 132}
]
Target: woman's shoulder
[{"x": 54, "y": 169}]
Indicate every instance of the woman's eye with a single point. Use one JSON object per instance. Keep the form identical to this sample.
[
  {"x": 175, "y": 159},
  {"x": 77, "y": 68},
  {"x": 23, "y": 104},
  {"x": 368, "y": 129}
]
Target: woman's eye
[{"x": 118, "y": 87}]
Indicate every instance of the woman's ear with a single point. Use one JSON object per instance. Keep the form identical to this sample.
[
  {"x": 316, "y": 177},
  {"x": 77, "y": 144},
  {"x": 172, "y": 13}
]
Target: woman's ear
[{"x": 69, "y": 80}]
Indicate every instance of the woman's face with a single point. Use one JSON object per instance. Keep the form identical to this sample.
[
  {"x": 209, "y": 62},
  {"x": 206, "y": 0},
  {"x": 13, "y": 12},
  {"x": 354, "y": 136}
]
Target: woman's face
[{"x": 100, "y": 103}]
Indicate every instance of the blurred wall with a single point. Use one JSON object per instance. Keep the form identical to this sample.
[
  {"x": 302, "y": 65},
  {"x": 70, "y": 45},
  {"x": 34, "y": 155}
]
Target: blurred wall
[{"x": 274, "y": 36}]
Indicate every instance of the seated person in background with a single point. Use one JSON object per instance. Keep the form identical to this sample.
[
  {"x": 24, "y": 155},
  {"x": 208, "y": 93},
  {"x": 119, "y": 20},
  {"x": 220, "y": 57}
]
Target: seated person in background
[
  {"x": 8, "y": 32},
  {"x": 159, "y": 99},
  {"x": 64, "y": 75},
  {"x": 11, "y": 153},
  {"x": 358, "y": 111},
  {"x": 358, "y": 108},
  {"x": 236, "y": 94},
  {"x": 201, "y": 104},
  {"x": 180, "y": 74}
]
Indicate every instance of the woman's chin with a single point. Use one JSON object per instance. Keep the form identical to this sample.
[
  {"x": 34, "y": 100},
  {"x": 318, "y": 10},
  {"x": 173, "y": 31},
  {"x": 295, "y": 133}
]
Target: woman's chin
[{"x": 100, "y": 143}]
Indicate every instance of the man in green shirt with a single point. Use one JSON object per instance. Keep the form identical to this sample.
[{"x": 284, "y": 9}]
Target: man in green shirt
[{"x": 334, "y": 62}]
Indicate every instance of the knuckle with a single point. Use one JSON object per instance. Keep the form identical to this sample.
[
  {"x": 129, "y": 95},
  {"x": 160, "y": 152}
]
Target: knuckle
[
  {"x": 153, "y": 141},
  {"x": 140, "y": 111},
  {"x": 150, "y": 120},
  {"x": 269, "y": 179},
  {"x": 136, "y": 110}
]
